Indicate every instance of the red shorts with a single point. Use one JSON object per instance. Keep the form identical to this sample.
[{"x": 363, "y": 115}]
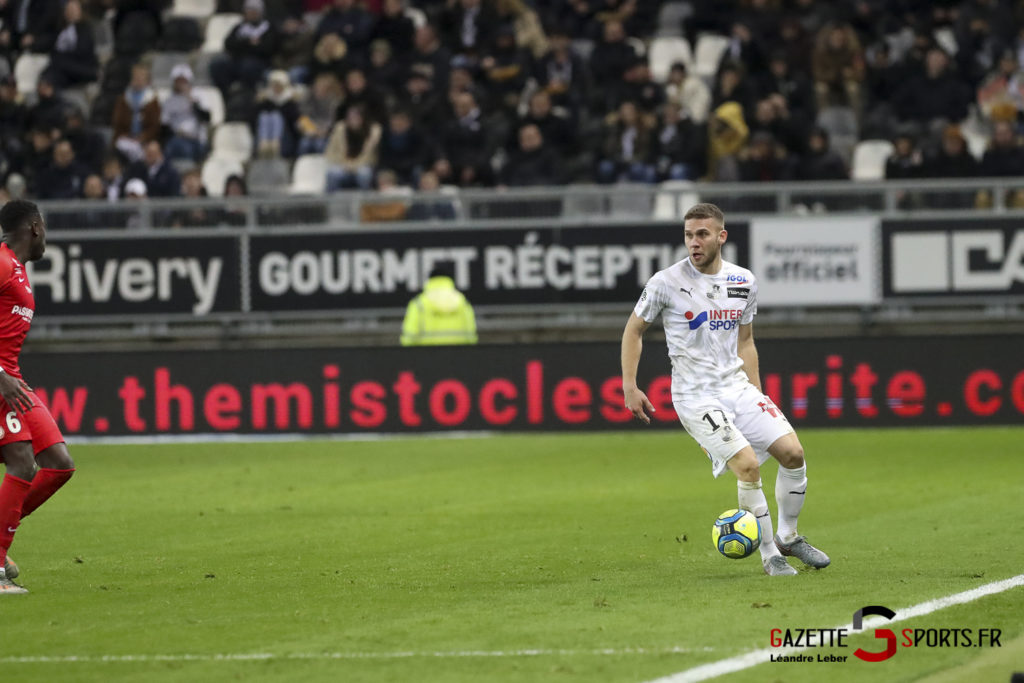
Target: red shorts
[{"x": 37, "y": 426}]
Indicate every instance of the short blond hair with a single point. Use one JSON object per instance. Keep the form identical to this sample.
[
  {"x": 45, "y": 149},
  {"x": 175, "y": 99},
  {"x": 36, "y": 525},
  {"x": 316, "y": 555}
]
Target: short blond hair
[{"x": 705, "y": 210}]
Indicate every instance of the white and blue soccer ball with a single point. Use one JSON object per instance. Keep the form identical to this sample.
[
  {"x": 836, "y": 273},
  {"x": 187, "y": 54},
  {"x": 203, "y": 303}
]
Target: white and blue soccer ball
[{"x": 736, "y": 534}]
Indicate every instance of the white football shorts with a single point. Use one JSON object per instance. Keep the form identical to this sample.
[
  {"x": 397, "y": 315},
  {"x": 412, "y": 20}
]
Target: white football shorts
[{"x": 724, "y": 425}]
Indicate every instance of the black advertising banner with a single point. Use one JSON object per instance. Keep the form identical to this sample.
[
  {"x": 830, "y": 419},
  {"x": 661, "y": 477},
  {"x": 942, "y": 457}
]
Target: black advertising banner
[
  {"x": 950, "y": 258},
  {"x": 592, "y": 264},
  {"x": 118, "y": 276},
  {"x": 818, "y": 382}
]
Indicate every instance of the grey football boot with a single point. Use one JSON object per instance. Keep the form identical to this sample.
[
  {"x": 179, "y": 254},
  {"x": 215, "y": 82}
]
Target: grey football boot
[
  {"x": 776, "y": 565},
  {"x": 803, "y": 551}
]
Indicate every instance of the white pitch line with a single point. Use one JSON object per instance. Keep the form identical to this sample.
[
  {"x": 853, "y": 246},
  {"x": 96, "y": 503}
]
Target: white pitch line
[
  {"x": 263, "y": 656},
  {"x": 745, "y": 661}
]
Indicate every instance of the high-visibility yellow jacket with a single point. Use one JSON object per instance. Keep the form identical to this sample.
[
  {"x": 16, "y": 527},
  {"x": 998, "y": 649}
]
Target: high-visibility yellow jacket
[{"x": 439, "y": 315}]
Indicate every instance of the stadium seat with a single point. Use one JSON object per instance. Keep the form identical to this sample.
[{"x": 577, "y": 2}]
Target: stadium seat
[
  {"x": 869, "y": 157},
  {"x": 664, "y": 52},
  {"x": 946, "y": 39},
  {"x": 268, "y": 176},
  {"x": 27, "y": 71},
  {"x": 674, "y": 199},
  {"x": 200, "y": 9},
  {"x": 217, "y": 29},
  {"x": 216, "y": 170},
  {"x": 708, "y": 53},
  {"x": 671, "y": 18},
  {"x": 639, "y": 47},
  {"x": 233, "y": 141},
  {"x": 416, "y": 15},
  {"x": 843, "y": 129},
  {"x": 212, "y": 101},
  {"x": 309, "y": 176}
]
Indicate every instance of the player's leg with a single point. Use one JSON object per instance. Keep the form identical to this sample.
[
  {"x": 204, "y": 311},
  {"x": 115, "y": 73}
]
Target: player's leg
[
  {"x": 751, "y": 497},
  {"x": 20, "y": 463},
  {"x": 790, "y": 493},
  {"x": 55, "y": 463}
]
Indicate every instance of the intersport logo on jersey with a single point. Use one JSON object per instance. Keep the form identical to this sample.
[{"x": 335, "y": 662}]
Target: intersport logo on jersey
[{"x": 717, "y": 320}]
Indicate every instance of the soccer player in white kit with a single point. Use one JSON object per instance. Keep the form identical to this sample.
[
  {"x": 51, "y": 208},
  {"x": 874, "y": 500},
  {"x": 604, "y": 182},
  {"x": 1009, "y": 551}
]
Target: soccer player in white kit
[{"x": 707, "y": 307}]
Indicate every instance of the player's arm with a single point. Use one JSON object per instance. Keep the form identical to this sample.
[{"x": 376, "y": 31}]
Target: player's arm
[
  {"x": 747, "y": 352},
  {"x": 632, "y": 347}
]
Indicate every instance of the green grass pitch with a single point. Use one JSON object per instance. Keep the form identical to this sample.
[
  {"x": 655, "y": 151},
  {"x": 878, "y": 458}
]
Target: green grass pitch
[{"x": 515, "y": 558}]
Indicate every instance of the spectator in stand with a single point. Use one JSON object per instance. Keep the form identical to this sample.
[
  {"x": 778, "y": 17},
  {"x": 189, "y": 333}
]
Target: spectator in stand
[
  {"x": 612, "y": 55},
  {"x": 352, "y": 152},
  {"x": 1005, "y": 84},
  {"x": 161, "y": 178},
  {"x": 435, "y": 208},
  {"x": 233, "y": 213},
  {"x": 384, "y": 70},
  {"x": 430, "y": 58},
  {"x": 48, "y": 111},
  {"x": 727, "y": 136},
  {"x": 1004, "y": 156},
  {"x": 113, "y": 177},
  {"x": 422, "y": 101},
  {"x": 562, "y": 74},
  {"x": 556, "y": 128},
  {"x": 689, "y": 93},
  {"x": 73, "y": 60},
  {"x": 629, "y": 148},
  {"x": 638, "y": 87},
  {"x": 390, "y": 203},
  {"x": 906, "y": 159},
  {"x": 953, "y": 160},
  {"x": 838, "y": 68},
  {"x": 330, "y": 56},
  {"x": 682, "y": 146},
  {"x": 39, "y": 156},
  {"x": 316, "y": 113},
  {"x": 350, "y": 22},
  {"x": 135, "y": 190},
  {"x": 360, "y": 93},
  {"x": 772, "y": 116},
  {"x": 764, "y": 160},
  {"x": 13, "y": 121},
  {"x": 277, "y": 118},
  {"x": 184, "y": 118},
  {"x": 96, "y": 213},
  {"x": 505, "y": 67},
  {"x": 63, "y": 178},
  {"x": 249, "y": 48},
  {"x": 395, "y": 28},
  {"x": 464, "y": 146},
  {"x": 137, "y": 113},
  {"x": 532, "y": 163},
  {"x": 819, "y": 162},
  {"x": 936, "y": 97},
  {"x": 884, "y": 80},
  {"x": 34, "y": 25},
  {"x": 469, "y": 26},
  {"x": 732, "y": 85},
  {"x": 526, "y": 24},
  {"x": 744, "y": 48},
  {"x": 793, "y": 86},
  {"x": 90, "y": 146},
  {"x": 403, "y": 148},
  {"x": 196, "y": 216}
]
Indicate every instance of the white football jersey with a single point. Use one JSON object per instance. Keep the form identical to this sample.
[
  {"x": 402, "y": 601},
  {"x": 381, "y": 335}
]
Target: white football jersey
[{"x": 701, "y": 314}]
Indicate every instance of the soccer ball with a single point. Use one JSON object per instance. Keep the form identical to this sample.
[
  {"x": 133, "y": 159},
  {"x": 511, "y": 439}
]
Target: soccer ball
[{"x": 736, "y": 533}]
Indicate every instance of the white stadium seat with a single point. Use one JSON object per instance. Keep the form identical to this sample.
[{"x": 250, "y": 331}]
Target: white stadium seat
[
  {"x": 708, "y": 53},
  {"x": 217, "y": 29},
  {"x": 664, "y": 52},
  {"x": 27, "y": 70},
  {"x": 200, "y": 9},
  {"x": 674, "y": 200},
  {"x": 309, "y": 176},
  {"x": 869, "y": 157},
  {"x": 212, "y": 101},
  {"x": 233, "y": 141},
  {"x": 216, "y": 170}
]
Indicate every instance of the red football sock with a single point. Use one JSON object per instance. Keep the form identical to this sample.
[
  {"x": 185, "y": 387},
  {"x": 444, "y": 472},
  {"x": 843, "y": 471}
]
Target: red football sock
[
  {"x": 12, "y": 494},
  {"x": 44, "y": 485}
]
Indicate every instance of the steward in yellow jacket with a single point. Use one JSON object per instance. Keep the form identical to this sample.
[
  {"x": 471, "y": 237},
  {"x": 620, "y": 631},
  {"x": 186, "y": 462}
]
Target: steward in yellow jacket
[{"x": 439, "y": 315}]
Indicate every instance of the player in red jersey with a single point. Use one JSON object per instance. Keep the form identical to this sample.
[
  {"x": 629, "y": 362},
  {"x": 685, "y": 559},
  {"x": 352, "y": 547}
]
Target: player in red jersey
[{"x": 31, "y": 446}]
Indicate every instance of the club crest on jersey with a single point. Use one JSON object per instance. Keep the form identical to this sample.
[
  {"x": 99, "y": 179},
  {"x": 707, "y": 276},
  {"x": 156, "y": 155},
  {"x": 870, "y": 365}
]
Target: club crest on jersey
[
  {"x": 725, "y": 319},
  {"x": 714, "y": 292}
]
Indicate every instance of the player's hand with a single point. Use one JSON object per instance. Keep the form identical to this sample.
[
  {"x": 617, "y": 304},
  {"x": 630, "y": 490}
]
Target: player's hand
[
  {"x": 639, "y": 405},
  {"x": 15, "y": 392}
]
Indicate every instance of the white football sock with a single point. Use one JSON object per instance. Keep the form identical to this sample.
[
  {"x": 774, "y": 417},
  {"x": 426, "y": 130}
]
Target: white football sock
[
  {"x": 790, "y": 487},
  {"x": 751, "y": 497}
]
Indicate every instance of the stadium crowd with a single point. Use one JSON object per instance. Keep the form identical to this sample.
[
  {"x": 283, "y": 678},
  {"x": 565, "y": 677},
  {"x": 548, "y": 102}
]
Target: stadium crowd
[{"x": 483, "y": 93}]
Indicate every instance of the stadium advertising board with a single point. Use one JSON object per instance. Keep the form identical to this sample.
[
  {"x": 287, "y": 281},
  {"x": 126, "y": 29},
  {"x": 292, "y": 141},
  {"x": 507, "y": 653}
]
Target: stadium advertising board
[
  {"x": 117, "y": 276},
  {"x": 377, "y": 269},
  {"x": 819, "y": 382},
  {"x": 815, "y": 261},
  {"x": 945, "y": 258}
]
